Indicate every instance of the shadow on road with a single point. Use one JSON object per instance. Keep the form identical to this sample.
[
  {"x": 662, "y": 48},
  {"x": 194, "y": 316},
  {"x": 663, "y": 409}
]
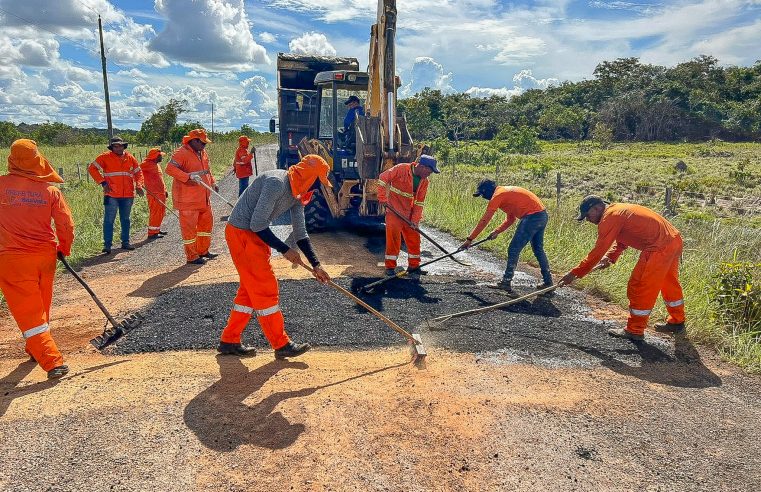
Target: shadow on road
[
  {"x": 222, "y": 422},
  {"x": 401, "y": 289},
  {"x": 9, "y": 382},
  {"x": 154, "y": 286}
]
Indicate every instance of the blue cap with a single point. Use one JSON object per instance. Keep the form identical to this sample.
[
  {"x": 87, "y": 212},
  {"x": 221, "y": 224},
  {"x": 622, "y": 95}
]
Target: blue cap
[{"x": 428, "y": 161}]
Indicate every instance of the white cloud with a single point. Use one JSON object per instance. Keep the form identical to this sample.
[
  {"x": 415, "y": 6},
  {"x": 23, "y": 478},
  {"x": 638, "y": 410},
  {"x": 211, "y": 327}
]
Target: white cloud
[
  {"x": 213, "y": 34},
  {"x": 260, "y": 96},
  {"x": 526, "y": 80},
  {"x": 129, "y": 44},
  {"x": 267, "y": 37},
  {"x": 312, "y": 43},
  {"x": 133, "y": 73},
  {"x": 60, "y": 15},
  {"x": 199, "y": 74},
  {"x": 426, "y": 72},
  {"x": 484, "y": 92}
]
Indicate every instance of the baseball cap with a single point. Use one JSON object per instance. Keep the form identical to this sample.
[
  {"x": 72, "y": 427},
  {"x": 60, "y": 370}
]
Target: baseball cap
[
  {"x": 484, "y": 187},
  {"x": 587, "y": 203}
]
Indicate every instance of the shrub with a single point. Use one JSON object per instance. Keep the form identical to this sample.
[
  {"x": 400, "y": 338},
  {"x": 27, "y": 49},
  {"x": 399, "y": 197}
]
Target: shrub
[
  {"x": 736, "y": 297},
  {"x": 519, "y": 140}
]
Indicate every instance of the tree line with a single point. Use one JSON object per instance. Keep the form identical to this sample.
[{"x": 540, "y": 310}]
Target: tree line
[{"x": 626, "y": 100}]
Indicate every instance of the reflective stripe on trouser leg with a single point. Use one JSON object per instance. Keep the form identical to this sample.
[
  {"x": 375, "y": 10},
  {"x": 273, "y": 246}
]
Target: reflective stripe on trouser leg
[
  {"x": 412, "y": 240},
  {"x": 156, "y": 212},
  {"x": 205, "y": 224},
  {"x": 645, "y": 284},
  {"x": 393, "y": 239},
  {"x": 240, "y": 315},
  {"x": 258, "y": 285},
  {"x": 671, "y": 290},
  {"x": 26, "y": 281},
  {"x": 188, "y": 228}
]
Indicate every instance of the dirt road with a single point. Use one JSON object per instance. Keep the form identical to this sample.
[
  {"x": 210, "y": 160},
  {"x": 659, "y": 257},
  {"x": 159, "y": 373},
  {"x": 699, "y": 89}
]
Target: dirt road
[{"x": 535, "y": 397}]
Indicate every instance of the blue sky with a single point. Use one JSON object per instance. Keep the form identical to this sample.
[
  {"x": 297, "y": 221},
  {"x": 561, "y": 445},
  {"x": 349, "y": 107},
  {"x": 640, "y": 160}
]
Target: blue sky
[{"x": 223, "y": 52}]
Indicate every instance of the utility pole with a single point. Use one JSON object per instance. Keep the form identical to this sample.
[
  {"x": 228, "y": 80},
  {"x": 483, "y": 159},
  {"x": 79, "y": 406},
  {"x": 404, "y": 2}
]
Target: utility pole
[
  {"x": 212, "y": 121},
  {"x": 105, "y": 80}
]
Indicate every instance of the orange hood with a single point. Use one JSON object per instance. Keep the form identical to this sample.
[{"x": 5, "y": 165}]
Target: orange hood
[
  {"x": 244, "y": 141},
  {"x": 303, "y": 174},
  {"x": 25, "y": 160},
  {"x": 154, "y": 154}
]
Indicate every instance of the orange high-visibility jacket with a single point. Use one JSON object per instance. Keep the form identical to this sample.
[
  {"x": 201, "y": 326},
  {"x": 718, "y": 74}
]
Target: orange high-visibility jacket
[
  {"x": 396, "y": 190},
  {"x": 515, "y": 201},
  {"x": 628, "y": 226},
  {"x": 154, "y": 178},
  {"x": 122, "y": 173},
  {"x": 184, "y": 164},
  {"x": 242, "y": 163},
  {"x": 26, "y": 207}
]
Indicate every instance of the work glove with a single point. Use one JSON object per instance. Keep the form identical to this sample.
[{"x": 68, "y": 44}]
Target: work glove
[
  {"x": 166, "y": 194},
  {"x": 493, "y": 235},
  {"x": 193, "y": 180},
  {"x": 106, "y": 188},
  {"x": 216, "y": 188},
  {"x": 140, "y": 192},
  {"x": 567, "y": 279},
  {"x": 465, "y": 245},
  {"x": 604, "y": 263}
]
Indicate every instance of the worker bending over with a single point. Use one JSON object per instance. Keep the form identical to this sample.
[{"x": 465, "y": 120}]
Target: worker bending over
[
  {"x": 189, "y": 166},
  {"x": 403, "y": 189},
  {"x": 242, "y": 163},
  {"x": 157, "y": 194},
  {"x": 28, "y": 248},
  {"x": 624, "y": 225},
  {"x": 517, "y": 203},
  {"x": 250, "y": 238},
  {"x": 118, "y": 172}
]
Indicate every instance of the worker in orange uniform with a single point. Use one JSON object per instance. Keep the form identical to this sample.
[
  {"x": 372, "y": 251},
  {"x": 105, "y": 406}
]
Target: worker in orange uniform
[
  {"x": 248, "y": 234},
  {"x": 403, "y": 187},
  {"x": 156, "y": 189},
  {"x": 118, "y": 172},
  {"x": 28, "y": 248},
  {"x": 188, "y": 165},
  {"x": 242, "y": 163},
  {"x": 517, "y": 203},
  {"x": 624, "y": 225}
]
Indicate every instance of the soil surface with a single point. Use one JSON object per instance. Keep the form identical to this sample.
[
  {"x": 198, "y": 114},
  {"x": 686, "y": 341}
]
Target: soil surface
[{"x": 534, "y": 396}]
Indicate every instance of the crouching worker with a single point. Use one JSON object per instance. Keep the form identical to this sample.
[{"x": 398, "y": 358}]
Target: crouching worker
[
  {"x": 623, "y": 225},
  {"x": 250, "y": 238},
  {"x": 517, "y": 203},
  {"x": 28, "y": 248}
]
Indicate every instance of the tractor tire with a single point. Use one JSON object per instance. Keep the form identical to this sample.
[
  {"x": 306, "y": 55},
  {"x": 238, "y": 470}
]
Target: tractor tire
[{"x": 317, "y": 214}]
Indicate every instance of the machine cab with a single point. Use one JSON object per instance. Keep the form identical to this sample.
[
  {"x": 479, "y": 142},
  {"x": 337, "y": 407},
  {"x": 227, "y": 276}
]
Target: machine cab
[{"x": 334, "y": 88}]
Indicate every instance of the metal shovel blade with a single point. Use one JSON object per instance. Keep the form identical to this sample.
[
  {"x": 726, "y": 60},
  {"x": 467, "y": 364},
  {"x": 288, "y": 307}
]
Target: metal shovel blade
[{"x": 112, "y": 334}]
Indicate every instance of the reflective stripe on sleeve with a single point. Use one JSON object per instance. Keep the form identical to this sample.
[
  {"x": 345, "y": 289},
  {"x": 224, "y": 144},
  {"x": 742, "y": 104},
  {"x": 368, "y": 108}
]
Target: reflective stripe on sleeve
[
  {"x": 675, "y": 303},
  {"x": 640, "y": 312},
  {"x": 175, "y": 163},
  {"x": 268, "y": 311},
  {"x": 400, "y": 192},
  {"x": 35, "y": 331},
  {"x": 243, "y": 309},
  {"x": 97, "y": 166}
]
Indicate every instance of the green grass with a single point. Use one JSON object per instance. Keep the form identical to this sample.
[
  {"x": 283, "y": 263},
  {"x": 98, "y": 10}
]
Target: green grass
[{"x": 708, "y": 241}]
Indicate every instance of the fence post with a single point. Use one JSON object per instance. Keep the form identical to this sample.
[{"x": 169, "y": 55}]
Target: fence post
[
  {"x": 79, "y": 172},
  {"x": 60, "y": 172},
  {"x": 667, "y": 203},
  {"x": 558, "y": 185}
]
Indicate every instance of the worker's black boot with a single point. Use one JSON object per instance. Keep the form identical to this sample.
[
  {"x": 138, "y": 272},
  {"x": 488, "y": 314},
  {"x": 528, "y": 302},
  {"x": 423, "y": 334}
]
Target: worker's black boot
[
  {"x": 238, "y": 349},
  {"x": 198, "y": 261},
  {"x": 209, "y": 255},
  {"x": 415, "y": 272},
  {"x": 543, "y": 286},
  {"x": 128, "y": 247},
  {"x": 390, "y": 272},
  {"x": 506, "y": 287},
  {"x": 58, "y": 372},
  {"x": 669, "y": 327},
  {"x": 292, "y": 350},
  {"x": 106, "y": 251},
  {"x": 624, "y": 333}
]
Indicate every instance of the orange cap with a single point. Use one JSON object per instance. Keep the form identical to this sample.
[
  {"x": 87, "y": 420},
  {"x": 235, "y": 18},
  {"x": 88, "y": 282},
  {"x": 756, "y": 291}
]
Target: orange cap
[
  {"x": 25, "y": 160},
  {"x": 198, "y": 133},
  {"x": 154, "y": 154},
  {"x": 244, "y": 140},
  {"x": 303, "y": 174}
]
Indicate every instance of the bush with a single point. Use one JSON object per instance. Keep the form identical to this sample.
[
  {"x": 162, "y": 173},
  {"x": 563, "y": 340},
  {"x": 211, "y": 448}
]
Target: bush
[
  {"x": 519, "y": 140},
  {"x": 736, "y": 297}
]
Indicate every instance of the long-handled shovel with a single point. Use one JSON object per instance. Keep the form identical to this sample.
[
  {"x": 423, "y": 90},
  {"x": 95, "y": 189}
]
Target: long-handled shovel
[
  {"x": 118, "y": 329},
  {"x": 413, "y": 339},
  {"x": 198, "y": 180},
  {"x": 429, "y": 238},
  {"x": 404, "y": 273},
  {"x": 434, "y": 324}
]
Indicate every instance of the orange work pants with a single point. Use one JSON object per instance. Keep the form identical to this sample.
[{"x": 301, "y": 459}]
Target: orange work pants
[
  {"x": 195, "y": 226},
  {"x": 396, "y": 229},
  {"x": 156, "y": 212},
  {"x": 26, "y": 281},
  {"x": 258, "y": 291},
  {"x": 656, "y": 272}
]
